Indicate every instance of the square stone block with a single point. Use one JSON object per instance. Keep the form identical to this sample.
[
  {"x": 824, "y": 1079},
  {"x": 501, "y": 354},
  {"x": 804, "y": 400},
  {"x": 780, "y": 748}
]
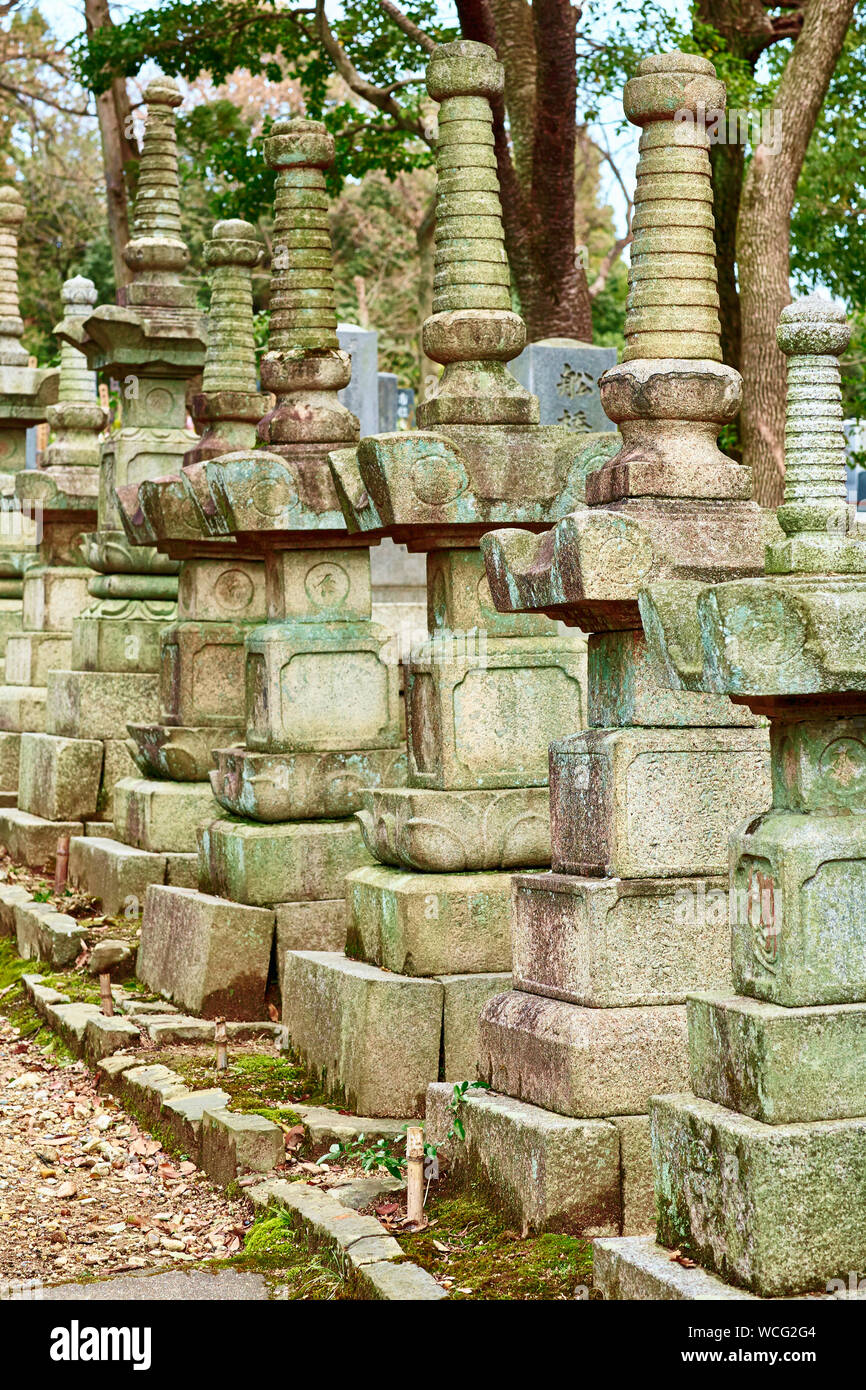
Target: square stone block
[
  {"x": 225, "y": 590},
  {"x": 317, "y": 926},
  {"x": 449, "y": 832},
  {"x": 313, "y": 586},
  {"x": 624, "y": 689},
  {"x": 10, "y": 747},
  {"x": 465, "y": 997},
  {"x": 59, "y": 777},
  {"x": 778, "y": 1065},
  {"x": 582, "y": 1062},
  {"x": 10, "y": 619},
  {"x": 631, "y": 1268},
  {"x": 636, "y": 1173},
  {"x": 31, "y": 655},
  {"x": 319, "y": 686},
  {"x": 54, "y": 597},
  {"x": 128, "y": 641},
  {"x": 647, "y": 803},
  {"x": 799, "y": 889},
  {"x": 777, "y": 1209},
  {"x": 32, "y": 840},
  {"x": 373, "y": 1037},
  {"x": 427, "y": 924},
  {"x": 201, "y": 674},
  {"x": 459, "y": 599},
  {"x": 301, "y": 861},
  {"x": 181, "y": 870},
  {"x": 205, "y": 954},
  {"x": 614, "y": 942},
  {"x": 22, "y": 708},
  {"x": 548, "y": 1172},
  {"x": 116, "y": 874},
  {"x": 98, "y": 704},
  {"x": 302, "y": 786},
  {"x": 481, "y": 712},
  {"x": 162, "y": 816},
  {"x": 117, "y": 763}
]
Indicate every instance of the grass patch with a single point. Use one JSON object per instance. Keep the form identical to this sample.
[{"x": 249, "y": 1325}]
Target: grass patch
[
  {"x": 258, "y": 1082},
  {"x": 488, "y": 1260},
  {"x": 274, "y": 1246}
]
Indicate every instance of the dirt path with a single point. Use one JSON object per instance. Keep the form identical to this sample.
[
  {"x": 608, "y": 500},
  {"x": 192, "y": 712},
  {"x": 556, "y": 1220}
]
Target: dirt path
[{"x": 83, "y": 1190}]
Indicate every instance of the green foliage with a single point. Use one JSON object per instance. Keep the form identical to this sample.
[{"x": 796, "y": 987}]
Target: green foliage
[{"x": 455, "y": 1105}]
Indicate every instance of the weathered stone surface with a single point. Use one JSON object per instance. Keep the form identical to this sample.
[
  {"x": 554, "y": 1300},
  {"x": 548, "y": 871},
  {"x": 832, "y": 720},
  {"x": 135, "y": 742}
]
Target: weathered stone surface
[
  {"x": 184, "y": 1113},
  {"x": 112, "y": 956},
  {"x": 634, "y": 1267},
  {"x": 550, "y": 1172},
  {"x": 374, "y": 1037},
  {"x": 103, "y": 1036},
  {"x": 481, "y": 712},
  {"x": 162, "y": 816},
  {"x": 53, "y": 597},
  {"x": 641, "y": 803},
  {"x": 752, "y": 1202},
  {"x": 117, "y": 763},
  {"x": 778, "y": 1065},
  {"x": 11, "y": 896},
  {"x": 177, "y": 754},
  {"x": 624, "y": 689},
  {"x": 266, "y": 864},
  {"x": 31, "y": 655},
  {"x": 232, "y": 1144},
  {"x": 44, "y": 934},
  {"x": 10, "y": 746},
  {"x": 578, "y": 1061},
  {"x": 181, "y": 870},
  {"x": 429, "y": 924},
  {"x": 202, "y": 674},
  {"x": 98, "y": 704},
  {"x": 313, "y": 926},
  {"x": 302, "y": 786},
  {"x": 636, "y": 1173},
  {"x": 610, "y": 942},
  {"x": 206, "y": 954},
  {"x": 117, "y": 874},
  {"x": 563, "y": 373},
  {"x": 59, "y": 778},
  {"x": 450, "y": 832},
  {"x": 22, "y": 707},
  {"x": 798, "y": 884},
  {"x": 465, "y": 997},
  {"x": 32, "y": 840}
]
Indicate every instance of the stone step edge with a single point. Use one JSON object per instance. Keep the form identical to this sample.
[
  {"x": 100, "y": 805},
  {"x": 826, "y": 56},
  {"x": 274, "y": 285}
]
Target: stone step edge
[{"x": 367, "y": 1251}]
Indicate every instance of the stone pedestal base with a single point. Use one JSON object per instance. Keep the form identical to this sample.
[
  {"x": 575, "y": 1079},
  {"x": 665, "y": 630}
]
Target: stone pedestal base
[
  {"x": 452, "y": 831},
  {"x": 376, "y": 1038},
  {"x": 59, "y": 778},
  {"x": 178, "y": 753},
  {"x": 549, "y": 1172},
  {"x": 22, "y": 708},
  {"x": 98, "y": 704},
  {"x": 300, "y": 861},
  {"x": 162, "y": 817},
  {"x": 119, "y": 875},
  {"x": 31, "y": 655},
  {"x": 121, "y": 643},
  {"x": 205, "y": 954},
  {"x": 429, "y": 924},
  {"x": 280, "y": 787},
  {"x": 32, "y": 840},
  {"x": 777, "y": 1209}
]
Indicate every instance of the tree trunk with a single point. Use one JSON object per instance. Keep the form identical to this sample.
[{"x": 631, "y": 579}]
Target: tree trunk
[
  {"x": 727, "y": 163},
  {"x": 536, "y": 45},
  {"x": 119, "y": 153},
  {"x": 763, "y": 240}
]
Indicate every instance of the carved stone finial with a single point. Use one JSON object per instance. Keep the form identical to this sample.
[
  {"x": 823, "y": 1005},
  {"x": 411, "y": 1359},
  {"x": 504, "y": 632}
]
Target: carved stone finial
[
  {"x": 231, "y": 254},
  {"x": 12, "y": 214},
  {"x": 473, "y": 331},
  {"x": 813, "y": 332},
  {"x": 157, "y": 246}
]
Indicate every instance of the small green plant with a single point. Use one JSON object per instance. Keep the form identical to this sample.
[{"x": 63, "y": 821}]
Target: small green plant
[
  {"x": 382, "y": 1153},
  {"x": 42, "y": 895},
  {"x": 455, "y": 1104}
]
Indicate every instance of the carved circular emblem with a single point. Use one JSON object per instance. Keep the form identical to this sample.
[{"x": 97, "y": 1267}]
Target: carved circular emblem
[
  {"x": 159, "y": 401},
  {"x": 437, "y": 480},
  {"x": 234, "y": 591},
  {"x": 272, "y": 496},
  {"x": 327, "y": 584},
  {"x": 843, "y": 766}
]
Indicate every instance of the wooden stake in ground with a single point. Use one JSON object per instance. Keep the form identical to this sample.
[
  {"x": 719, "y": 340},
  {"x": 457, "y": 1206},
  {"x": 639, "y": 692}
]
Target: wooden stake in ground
[
  {"x": 106, "y": 998},
  {"x": 61, "y": 868},
  {"x": 219, "y": 1032},
  {"x": 415, "y": 1175}
]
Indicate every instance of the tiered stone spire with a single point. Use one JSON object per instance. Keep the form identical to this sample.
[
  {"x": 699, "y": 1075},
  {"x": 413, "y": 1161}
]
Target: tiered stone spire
[
  {"x": 157, "y": 253},
  {"x": 78, "y": 418},
  {"x": 759, "y": 1173},
  {"x": 12, "y": 215}
]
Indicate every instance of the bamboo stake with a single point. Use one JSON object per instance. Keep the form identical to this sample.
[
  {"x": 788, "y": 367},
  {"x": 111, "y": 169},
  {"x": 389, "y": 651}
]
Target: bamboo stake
[
  {"x": 61, "y": 868},
  {"x": 222, "y": 1051},
  {"x": 415, "y": 1176},
  {"x": 105, "y": 996}
]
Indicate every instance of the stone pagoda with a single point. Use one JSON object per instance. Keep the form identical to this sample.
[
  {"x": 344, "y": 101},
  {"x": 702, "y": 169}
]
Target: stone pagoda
[
  {"x": 760, "y": 1174},
  {"x": 25, "y": 393},
  {"x": 429, "y": 932},
  {"x": 151, "y": 343},
  {"x": 607, "y": 946},
  {"x": 322, "y": 708},
  {"x": 221, "y": 595},
  {"x": 62, "y": 496}
]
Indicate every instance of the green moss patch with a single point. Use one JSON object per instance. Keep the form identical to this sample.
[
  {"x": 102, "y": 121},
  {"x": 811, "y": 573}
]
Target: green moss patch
[{"x": 275, "y": 1247}]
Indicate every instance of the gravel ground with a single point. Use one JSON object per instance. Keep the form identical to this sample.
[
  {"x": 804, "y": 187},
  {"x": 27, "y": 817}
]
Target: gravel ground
[{"x": 84, "y": 1190}]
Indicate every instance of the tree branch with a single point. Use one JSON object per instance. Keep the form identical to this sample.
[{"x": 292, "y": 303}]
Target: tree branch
[
  {"x": 409, "y": 28},
  {"x": 376, "y": 96}
]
